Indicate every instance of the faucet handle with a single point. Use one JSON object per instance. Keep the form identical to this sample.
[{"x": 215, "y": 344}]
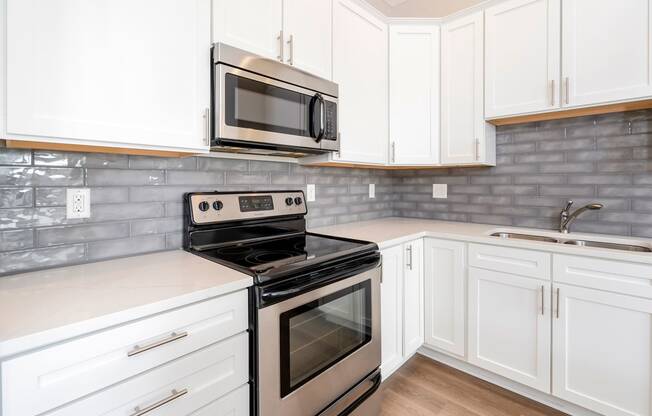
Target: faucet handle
[{"x": 568, "y": 205}]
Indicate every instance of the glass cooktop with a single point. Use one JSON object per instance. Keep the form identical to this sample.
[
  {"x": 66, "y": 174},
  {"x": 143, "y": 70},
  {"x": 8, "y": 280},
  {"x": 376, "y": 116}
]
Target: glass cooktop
[{"x": 276, "y": 253}]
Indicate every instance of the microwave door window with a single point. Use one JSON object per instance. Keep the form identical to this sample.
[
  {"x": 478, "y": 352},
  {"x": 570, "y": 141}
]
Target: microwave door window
[{"x": 256, "y": 105}]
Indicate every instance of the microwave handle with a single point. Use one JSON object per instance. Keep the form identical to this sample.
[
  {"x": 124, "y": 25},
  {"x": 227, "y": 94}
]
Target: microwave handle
[{"x": 317, "y": 135}]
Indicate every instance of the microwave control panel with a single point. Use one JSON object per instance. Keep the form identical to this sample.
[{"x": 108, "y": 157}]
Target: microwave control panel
[{"x": 330, "y": 130}]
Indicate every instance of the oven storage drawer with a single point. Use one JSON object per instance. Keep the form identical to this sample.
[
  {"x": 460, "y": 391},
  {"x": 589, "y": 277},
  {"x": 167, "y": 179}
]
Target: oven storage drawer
[
  {"x": 45, "y": 379},
  {"x": 178, "y": 388},
  {"x": 534, "y": 264}
]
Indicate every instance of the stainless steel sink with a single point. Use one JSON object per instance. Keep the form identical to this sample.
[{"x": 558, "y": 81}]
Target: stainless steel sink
[
  {"x": 529, "y": 237},
  {"x": 613, "y": 246},
  {"x": 574, "y": 242}
]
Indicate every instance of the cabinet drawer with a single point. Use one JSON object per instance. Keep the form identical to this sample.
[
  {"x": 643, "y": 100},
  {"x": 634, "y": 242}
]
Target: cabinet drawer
[
  {"x": 614, "y": 276},
  {"x": 235, "y": 403},
  {"x": 42, "y": 380},
  {"x": 179, "y": 387},
  {"x": 527, "y": 263}
]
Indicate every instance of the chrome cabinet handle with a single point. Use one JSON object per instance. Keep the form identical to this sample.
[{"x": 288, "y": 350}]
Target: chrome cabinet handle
[
  {"x": 173, "y": 396},
  {"x": 557, "y": 307},
  {"x": 552, "y": 93},
  {"x": 393, "y": 152},
  {"x": 281, "y": 42},
  {"x": 567, "y": 90},
  {"x": 207, "y": 127},
  {"x": 291, "y": 45},
  {"x": 477, "y": 149},
  {"x": 543, "y": 302},
  {"x": 409, "y": 250},
  {"x": 173, "y": 337}
]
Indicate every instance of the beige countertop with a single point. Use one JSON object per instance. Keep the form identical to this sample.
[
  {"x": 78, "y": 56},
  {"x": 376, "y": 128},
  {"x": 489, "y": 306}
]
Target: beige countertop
[
  {"x": 387, "y": 232},
  {"x": 48, "y": 306}
]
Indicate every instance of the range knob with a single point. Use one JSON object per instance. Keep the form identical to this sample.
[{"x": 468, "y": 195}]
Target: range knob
[
  {"x": 218, "y": 205},
  {"x": 298, "y": 200},
  {"x": 203, "y": 206},
  {"x": 289, "y": 201}
]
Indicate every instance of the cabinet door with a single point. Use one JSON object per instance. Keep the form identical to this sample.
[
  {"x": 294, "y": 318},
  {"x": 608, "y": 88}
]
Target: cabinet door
[
  {"x": 509, "y": 326},
  {"x": 606, "y": 51},
  {"x": 602, "y": 351},
  {"x": 522, "y": 55},
  {"x": 391, "y": 310},
  {"x": 445, "y": 289},
  {"x": 462, "y": 83},
  {"x": 308, "y": 26},
  {"x": 252, "y": 25},
  {"x": 127, "y": 74},
  {"x": 414, "y": 94},
  {"x": 412, "y": 297},
  {"x": 360, "y": 69}
]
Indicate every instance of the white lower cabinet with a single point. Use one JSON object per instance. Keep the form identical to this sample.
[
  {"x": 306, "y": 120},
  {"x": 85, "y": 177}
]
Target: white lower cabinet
[
  {"x": 401, "y": 304},
  {"x": 509, "y": 326},
  {"x": 602, "y": 355},
  {"x": 445, "y": 295}
]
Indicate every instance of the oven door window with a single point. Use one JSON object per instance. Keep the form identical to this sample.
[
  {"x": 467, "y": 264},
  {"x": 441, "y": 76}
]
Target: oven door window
[
  {"x": 319, "y": 334},
  {"x": 260, "y": 106}
]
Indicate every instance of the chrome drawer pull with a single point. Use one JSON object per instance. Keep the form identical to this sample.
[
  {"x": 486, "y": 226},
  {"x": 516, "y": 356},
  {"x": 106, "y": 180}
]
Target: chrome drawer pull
[
  {"x": 173, "y": 337},
  {"x": 175, "y": 395}
]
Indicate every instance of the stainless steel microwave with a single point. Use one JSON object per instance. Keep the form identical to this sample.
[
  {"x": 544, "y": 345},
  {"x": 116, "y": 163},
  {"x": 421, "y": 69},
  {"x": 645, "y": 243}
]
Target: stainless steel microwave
[{"x": 263, "y": 106}]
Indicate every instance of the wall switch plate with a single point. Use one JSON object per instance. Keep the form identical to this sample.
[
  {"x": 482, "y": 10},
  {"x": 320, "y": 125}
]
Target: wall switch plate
[
  {"x": 310, "y": 192},
  {"x": 372, "y": 190},
  {"x": 78, "y": 203},
  {"x": 439, "y": 190}
]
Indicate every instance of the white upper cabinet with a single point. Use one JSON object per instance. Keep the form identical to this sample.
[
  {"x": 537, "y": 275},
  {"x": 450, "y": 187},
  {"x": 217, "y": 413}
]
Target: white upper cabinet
[
  {"x": 252, "y": 25},
  {"x": 509, "y": 326},
  {"x": 126, "y": 74},
  {"x": 360, "y": 69},
  {"x": 522, "y": 57},
  {"x": 465, "y": 137},
  {"x": 445, "y": 295},
  {"x": 413, "y": 297},
  {"x": 606, "y": 51},
  {"x": 414, "y": 94},
  {"x": 602, "y": 350},
  {"x": 307, "y": 28},
  {"x": 295, "y": 32}
]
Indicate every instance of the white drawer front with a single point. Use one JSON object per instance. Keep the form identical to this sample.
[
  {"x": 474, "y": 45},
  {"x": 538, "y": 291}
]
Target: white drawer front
[
  {"x": 527, "y": 263},
  {"x": 614, "y": 276},
  {"x": 180, "y": 387},
  {"x": 235, "y": 403},
  {"x": 36, "y": 382}
]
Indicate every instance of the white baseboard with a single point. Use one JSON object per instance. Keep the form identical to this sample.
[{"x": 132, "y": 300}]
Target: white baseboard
[{"x": 506, "y": 383}]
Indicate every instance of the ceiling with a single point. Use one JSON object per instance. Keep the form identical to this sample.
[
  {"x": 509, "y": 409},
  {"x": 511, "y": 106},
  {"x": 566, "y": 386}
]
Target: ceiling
[{"x": 421, "y": 8}]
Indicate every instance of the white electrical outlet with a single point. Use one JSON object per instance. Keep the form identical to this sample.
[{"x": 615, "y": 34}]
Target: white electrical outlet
[
  {"x": 372, "y": 190},
  {"x": 439, "y": 190},
  {"x": 78, "y": 203},
  {"x": 310, "y": 192}
]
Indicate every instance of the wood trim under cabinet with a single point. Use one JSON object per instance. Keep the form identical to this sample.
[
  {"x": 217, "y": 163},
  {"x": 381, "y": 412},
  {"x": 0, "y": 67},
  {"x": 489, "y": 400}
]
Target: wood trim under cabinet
[
  {"x": 574, "y": 112},
  {"x": 20, "y": 144}
]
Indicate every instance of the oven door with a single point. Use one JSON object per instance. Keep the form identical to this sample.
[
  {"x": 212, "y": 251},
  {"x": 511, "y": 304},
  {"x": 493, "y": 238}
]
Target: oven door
[
  {"x": 315, "y": 347},
  {"x": 257, "y": 111}
]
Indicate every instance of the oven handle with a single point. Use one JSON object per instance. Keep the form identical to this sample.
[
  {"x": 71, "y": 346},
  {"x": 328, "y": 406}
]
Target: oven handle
[
  {"x": 364, "y": 265},
  {"x": 346, "y": 404}
]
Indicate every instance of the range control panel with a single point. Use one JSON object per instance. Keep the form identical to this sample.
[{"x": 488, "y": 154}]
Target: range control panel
[{"x": 208, "y": 208}]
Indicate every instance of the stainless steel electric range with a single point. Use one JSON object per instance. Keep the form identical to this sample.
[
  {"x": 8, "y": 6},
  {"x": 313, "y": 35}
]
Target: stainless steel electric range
[{"x": 315, "y": 303}]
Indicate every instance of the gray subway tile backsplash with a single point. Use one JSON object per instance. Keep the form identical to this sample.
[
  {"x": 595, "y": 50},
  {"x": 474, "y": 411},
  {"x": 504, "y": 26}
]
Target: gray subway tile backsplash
[{"x": 136, "y": 200}]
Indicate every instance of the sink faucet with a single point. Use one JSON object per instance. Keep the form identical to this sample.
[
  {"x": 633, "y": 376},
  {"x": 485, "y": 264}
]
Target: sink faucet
[{"x": 566, "y": 218}]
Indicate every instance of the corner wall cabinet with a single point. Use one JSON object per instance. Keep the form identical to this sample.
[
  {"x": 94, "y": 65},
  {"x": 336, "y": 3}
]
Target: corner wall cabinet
[
  {"x": 465, "y": 137},
  {"x": 401, "y": 304},
  {"x": 128, "y": 75}
]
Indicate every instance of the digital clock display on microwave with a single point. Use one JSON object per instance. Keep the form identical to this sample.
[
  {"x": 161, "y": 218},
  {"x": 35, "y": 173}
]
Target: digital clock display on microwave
[{"x": 256, "y": 203}]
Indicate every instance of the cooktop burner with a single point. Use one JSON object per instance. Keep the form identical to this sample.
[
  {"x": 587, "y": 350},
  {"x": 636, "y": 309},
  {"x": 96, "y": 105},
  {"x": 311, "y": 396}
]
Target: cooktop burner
[{"x": 277, "y": 252}]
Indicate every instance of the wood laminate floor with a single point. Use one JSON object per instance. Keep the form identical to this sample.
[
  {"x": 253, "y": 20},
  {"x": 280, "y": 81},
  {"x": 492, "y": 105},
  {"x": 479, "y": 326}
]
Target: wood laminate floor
[{"x": 423, "y": 387}]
